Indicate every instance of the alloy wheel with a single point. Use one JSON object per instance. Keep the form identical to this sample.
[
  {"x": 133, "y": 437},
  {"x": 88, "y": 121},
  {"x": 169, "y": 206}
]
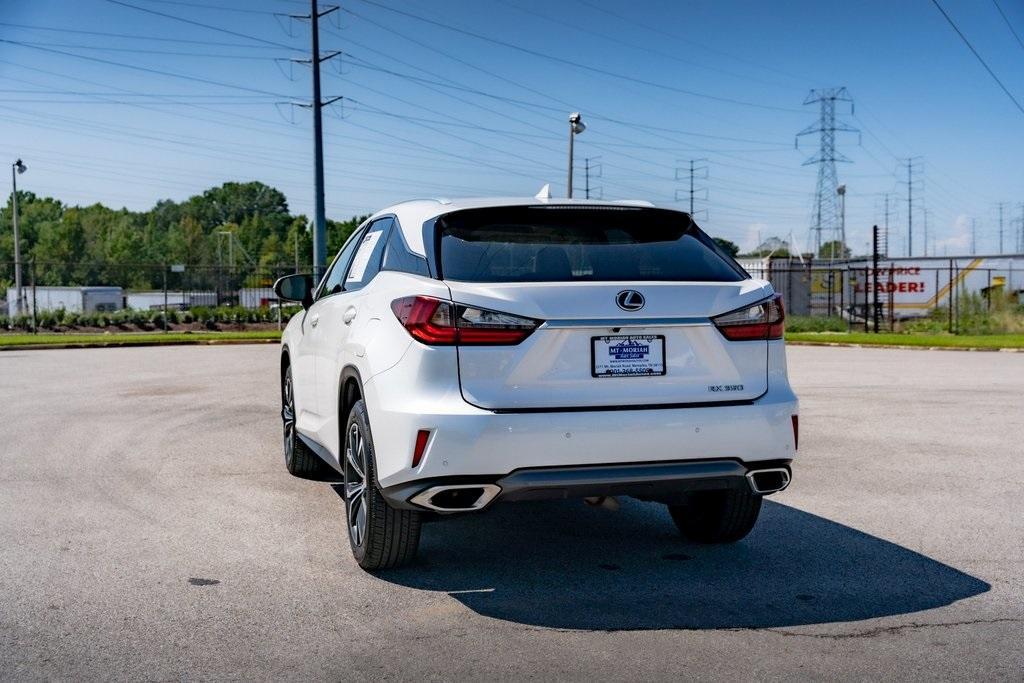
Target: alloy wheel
[
  {"x": 288, "y": 415},
  {"x": 356, "y": 488}
]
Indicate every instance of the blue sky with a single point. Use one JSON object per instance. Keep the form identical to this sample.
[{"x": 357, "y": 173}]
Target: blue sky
[{"x": 430, "y": 111}]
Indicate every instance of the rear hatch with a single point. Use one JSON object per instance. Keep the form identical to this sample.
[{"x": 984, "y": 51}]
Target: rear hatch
[{"x": 623, "y": 299}]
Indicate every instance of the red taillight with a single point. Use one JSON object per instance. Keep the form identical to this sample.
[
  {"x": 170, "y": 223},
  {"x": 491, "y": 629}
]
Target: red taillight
[
  {"x": 443, "y": 323},
  {"x": 426, "y": 319},
  {"x": 796, "y": 432},
  {"x": 421, "y": 445},
  {"x": 765, "y": 320}
]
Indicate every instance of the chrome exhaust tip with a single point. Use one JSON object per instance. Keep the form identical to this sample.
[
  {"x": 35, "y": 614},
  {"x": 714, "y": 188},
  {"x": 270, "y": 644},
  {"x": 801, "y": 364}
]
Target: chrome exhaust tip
[
  {"x": 770, "y": 480},
  {"x": 457, "y": 497}
]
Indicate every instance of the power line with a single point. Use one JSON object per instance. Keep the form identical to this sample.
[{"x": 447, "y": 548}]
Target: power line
[
  {"x": 575, "y": 26},
  {"x": 576, "y": 65},
  {"x": 150, "y": 51},
  {"x": 203, "y": 5},
  {"x": 136, "y": 67},
  {"x": 132, "y": 36},
  {"x": 687, "y": 40},
  {"x": 200, "y": 24},
  {"x": 1008, "y": 24},
  {"x": 971, "y": 47}
]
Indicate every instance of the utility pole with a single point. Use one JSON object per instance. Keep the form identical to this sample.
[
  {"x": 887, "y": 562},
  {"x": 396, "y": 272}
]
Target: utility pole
[
  {"x": 591, "y": 170},
  {"x": 320, "y": 224},
  {"x": 317, "y": 105},
  {"x": 974, "y": 237},
  {"x": 910, "y": 209},
  {"x": 926, "y": 232},
  {"x": 1020, "y": 237},
  {"x": 19, "y": 301},
  {"x": 1001, "y": 204},
  {"x": 691, "y": 187},
  {"x": 887, "y": 214},
  {"x": 826, "y": 211},
  {"x": 913, "y": 164},
  {"x": 697, "y": 170}
]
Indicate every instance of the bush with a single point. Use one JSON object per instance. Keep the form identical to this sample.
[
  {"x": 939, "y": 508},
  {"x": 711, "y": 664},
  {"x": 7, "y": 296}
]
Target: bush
[
  {"x": 804, "y": 323},
  {"x": 975, "y": 314},
  {"x": 207, "y": 316}
]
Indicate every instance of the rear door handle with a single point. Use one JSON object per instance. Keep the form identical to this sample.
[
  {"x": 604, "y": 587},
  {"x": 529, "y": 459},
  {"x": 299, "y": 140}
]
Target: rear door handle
[
  {"x": 315, "y": 319},
  {"x": 348, "y": 315}
]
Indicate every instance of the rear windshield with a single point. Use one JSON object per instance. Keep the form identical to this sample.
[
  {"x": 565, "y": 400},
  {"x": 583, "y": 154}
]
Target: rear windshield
[{"x": 560, "y": 244}]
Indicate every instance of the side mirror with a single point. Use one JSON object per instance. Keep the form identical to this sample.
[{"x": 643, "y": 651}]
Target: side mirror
[{"x": 295, "y": 288}]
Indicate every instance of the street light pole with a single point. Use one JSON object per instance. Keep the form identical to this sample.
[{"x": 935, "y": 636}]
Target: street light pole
[
  {"x": 19, "y": 301},
  {"x": 576, "y": 126},
  {"x": 841, "y": 191}
]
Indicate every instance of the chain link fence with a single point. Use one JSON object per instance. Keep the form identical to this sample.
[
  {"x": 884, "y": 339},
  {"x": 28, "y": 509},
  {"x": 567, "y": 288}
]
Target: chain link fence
[
  {"x": 885, "y": 297},
  {"x": 103, "y": 288},
  {"x": 853, "y": 295}
]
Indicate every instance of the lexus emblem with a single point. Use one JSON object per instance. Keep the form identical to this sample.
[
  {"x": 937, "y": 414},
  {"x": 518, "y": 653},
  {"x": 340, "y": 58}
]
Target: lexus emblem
[{"x": 629, "y": 300}]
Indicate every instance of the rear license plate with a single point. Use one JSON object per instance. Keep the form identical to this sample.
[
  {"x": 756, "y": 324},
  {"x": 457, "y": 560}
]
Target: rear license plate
[{"x": 635, "y": 355}]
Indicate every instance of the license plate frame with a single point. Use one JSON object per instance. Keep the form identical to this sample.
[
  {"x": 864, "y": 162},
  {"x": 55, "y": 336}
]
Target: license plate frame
[{"x": 626, "y": 368}]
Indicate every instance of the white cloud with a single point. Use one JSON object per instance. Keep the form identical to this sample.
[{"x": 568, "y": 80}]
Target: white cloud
[{"x": 959, "y": 242}]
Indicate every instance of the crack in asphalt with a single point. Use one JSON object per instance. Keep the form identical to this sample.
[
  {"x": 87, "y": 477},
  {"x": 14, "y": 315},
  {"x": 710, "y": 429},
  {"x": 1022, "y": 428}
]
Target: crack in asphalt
[{"x": 886, "y": 630}]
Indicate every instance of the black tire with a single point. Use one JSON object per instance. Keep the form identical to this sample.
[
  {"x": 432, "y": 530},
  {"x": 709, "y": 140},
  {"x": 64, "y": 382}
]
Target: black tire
[
  {"x": 717, "y": 516},
  {"x": 298, "y": 459},
  {"x": 381, "y": 537}
]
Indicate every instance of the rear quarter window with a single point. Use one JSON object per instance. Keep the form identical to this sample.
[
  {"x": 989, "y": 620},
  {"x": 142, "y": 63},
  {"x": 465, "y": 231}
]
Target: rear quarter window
[{"x": 550, "y": 244}]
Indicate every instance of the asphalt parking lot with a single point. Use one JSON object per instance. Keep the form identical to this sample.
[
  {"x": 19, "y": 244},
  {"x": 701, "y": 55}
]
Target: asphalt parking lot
[{"x": 150, "y": 531}]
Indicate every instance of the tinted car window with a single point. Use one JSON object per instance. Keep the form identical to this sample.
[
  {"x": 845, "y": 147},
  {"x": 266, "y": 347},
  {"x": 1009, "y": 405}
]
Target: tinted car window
[
  {"x": 398, "y": 257},
  {"x": 333, "y": 279},
  {"x": 366, "y": 261},
  {"x": 562, "y": 244}
]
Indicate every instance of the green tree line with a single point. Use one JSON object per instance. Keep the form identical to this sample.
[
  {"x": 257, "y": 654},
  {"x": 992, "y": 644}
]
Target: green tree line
[{"x": 96, "y": 245}]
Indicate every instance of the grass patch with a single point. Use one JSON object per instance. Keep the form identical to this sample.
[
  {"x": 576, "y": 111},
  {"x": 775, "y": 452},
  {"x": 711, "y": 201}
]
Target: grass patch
[
  {"x": 988, "y": 341},
  {"x": 804, "y": 323},
  {"x": 133, "y": 338}
]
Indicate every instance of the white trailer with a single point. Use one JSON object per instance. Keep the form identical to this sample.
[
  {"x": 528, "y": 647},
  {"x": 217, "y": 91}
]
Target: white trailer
[
  {"x": 257, "y": 297},
  {"x": 90, "y": 299},
  {"x": 152, "y": 300}
]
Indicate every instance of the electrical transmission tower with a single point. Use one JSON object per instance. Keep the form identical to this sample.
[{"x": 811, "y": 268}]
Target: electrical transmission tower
[
  {"x": 690, "y": 172},
  {"x": 826, "y": 206}
]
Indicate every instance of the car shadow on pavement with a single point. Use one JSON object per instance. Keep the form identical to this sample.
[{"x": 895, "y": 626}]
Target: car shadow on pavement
[{"x": 566, "y": 565}]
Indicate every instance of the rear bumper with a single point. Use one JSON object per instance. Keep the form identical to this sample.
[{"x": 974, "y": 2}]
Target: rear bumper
[
  {"x": 666, "y": 482},
  {"x": 466, "y": 441}
]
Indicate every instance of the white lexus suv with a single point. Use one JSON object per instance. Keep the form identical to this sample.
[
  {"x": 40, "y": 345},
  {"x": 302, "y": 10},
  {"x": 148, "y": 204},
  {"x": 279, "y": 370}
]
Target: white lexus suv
[{"x": 461, "y": 354}]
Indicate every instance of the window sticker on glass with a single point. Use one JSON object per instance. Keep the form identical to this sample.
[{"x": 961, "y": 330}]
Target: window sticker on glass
[{"x": 362, "y": 257}]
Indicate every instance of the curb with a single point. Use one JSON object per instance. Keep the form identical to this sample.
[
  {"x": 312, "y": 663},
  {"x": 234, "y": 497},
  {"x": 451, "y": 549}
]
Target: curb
[
  {"x": 114, "y": 343},
  {"x": 911, "y": 347}
]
